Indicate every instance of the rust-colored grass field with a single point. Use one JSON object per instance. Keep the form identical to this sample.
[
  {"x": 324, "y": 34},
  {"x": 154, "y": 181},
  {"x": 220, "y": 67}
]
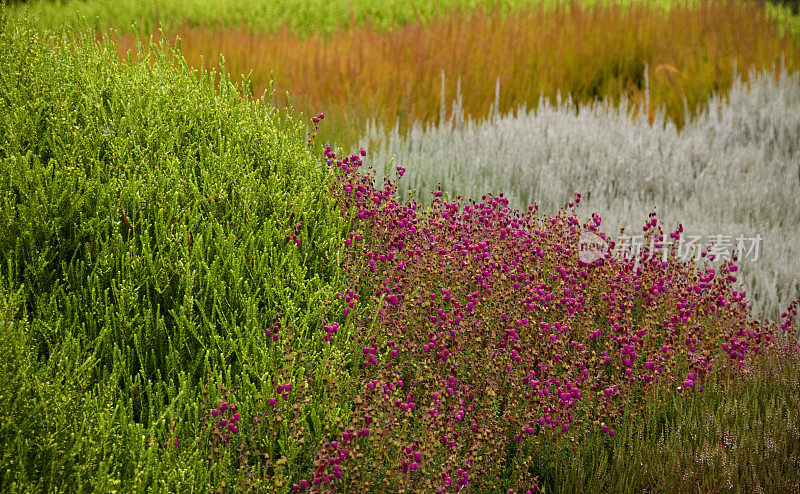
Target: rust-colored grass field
[{"x": 590, "y": 53}]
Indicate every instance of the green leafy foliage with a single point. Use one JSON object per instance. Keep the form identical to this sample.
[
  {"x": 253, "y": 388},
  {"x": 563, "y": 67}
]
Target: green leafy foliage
[{"x": 155, "y": 223}]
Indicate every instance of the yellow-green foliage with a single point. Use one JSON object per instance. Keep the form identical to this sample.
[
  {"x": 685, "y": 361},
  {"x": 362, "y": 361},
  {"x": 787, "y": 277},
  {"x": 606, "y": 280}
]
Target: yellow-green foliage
[
  {"x": 788, "y": 20},
  {"x": 144, "y": 215}
]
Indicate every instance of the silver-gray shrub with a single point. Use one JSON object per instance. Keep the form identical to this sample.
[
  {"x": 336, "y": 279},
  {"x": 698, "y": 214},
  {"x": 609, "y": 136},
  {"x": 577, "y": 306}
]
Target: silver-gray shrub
[{"x": 734, "y": 170}]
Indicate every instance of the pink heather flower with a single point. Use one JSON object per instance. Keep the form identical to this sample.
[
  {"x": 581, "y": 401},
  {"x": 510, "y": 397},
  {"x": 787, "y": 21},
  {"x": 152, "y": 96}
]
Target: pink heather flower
[
  {"x": 223, "y": 422},
  {"x": 272, "y": 402},
  {"x": 414, "y": 466},
  {"x": 303, "y": 484},
  {"x": 223, "y": 407},
  {"x": 214, "y": 413},
  {"x": 280, "y": 388},
  {"x": 235, "y": 417},
  {"x": 287, "y": 387}
]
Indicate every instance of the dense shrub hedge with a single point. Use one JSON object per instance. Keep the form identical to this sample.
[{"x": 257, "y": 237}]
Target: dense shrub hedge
[{"x": 154, "y": 224}]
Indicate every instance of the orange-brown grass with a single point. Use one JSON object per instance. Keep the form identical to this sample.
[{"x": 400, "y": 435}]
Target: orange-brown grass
[{"x": 588, "y": 52}]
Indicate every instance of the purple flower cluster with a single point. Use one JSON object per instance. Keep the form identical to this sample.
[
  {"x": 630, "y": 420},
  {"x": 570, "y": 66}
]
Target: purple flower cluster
[
  {"x": 315, "y": 121},
  {"x": 276, "y": 326},
  {"x": 226, "y": 421}
]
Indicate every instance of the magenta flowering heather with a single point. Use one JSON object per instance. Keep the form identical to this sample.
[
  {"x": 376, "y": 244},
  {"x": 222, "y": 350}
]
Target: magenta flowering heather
[
  {"x": 487, "y": 319},
  {"x": 494, "y": 326}
]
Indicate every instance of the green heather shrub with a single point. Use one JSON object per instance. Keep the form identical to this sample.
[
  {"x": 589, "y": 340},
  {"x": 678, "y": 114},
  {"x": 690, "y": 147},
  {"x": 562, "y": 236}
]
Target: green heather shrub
[
  {"x": 58, "y": 425},
  {"x": 155, "y": 227},
  {"x": 733, "y": 170}
]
